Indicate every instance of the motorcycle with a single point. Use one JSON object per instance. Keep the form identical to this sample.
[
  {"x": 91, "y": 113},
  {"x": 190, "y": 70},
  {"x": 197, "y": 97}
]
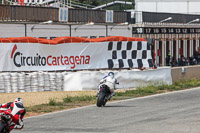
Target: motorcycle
[
  {"x": 4, "y": 122},
  {"x": 103, "y": 96}
]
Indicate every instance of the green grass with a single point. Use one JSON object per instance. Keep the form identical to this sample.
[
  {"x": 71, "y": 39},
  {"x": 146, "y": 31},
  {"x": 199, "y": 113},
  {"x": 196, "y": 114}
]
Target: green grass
[
  {"x": 78, "y": 101},
  {"x": 70, "y": 99}
]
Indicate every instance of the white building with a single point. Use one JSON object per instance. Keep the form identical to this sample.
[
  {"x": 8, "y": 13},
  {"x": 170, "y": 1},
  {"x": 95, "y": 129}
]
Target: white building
[{"x": 169, "y": 6}]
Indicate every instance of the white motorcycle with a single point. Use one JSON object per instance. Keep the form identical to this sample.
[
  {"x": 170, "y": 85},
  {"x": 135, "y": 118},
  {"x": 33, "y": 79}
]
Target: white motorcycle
[{"x": 104, "y": 95}]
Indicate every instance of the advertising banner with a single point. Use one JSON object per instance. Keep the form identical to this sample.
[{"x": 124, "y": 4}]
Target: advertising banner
[
  {"x": 109, "y": 16},
  {"x": 63, "y": 14},
  {"x": 74, "y": 56}
]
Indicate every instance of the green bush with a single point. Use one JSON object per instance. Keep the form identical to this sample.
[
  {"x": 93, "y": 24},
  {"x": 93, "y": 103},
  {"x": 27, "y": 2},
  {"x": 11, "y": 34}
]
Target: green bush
[
  {"x": 68, "y": 99},
  {"x": 119, "y": 93},
  {"x": 163, "y": 87},
  {"x": 52, "y": 102}
]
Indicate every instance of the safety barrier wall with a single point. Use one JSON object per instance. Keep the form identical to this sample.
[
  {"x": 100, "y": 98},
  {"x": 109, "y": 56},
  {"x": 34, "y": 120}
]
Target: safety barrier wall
[
  {"x": 73, "y": 81},
  {"x": 128, "y": 79},
  {"x": 11, "y": 82},
  {"x": 185, "y": 73}
]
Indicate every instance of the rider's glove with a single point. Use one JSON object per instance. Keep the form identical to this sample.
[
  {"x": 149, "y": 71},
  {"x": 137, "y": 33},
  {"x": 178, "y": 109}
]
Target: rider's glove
[{"x": 102, "y": 82}]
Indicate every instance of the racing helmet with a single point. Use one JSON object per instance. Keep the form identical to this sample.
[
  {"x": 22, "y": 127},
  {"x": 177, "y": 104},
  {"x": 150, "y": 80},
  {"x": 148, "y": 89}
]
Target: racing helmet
[
  {"x": 19, "y": 100},
  {"x": 111, "y": 74}
]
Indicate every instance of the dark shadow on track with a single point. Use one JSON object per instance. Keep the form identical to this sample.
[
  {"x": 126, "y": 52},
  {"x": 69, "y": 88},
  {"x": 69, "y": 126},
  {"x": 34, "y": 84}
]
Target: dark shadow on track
[{"x": 114, "y": 106}]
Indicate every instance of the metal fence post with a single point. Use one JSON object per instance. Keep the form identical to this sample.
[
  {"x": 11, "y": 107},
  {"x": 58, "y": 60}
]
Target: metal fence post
[
  {"x": 106, "y": 30},
  {"x": 25, "y": 26}
]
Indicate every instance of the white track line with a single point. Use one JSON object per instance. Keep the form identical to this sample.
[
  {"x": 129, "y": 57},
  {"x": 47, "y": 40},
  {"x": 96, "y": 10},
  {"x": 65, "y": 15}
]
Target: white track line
[{"x": 150, "y": 96}]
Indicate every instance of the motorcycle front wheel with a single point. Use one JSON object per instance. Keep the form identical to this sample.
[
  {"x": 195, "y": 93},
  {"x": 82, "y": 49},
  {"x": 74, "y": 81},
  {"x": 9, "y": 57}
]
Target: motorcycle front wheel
[
  {"x": 101, "y": 99},
  {"x": 2, "y": 126}
]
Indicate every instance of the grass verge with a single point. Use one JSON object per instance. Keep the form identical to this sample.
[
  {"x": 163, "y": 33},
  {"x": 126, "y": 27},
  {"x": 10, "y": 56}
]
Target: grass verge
[{"x": 79, "y": 101}]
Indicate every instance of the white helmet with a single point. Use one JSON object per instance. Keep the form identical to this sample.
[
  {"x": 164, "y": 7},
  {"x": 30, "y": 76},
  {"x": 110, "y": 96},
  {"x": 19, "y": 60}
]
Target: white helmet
[
  {"x": 111, "y": 74},
  {"x": 19, "y": 100}
]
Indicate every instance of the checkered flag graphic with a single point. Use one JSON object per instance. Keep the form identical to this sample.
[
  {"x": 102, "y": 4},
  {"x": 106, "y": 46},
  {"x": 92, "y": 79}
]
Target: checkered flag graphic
[{"x": 129, "y": 55}]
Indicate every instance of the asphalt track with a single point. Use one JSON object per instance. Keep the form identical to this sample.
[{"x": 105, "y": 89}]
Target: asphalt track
[{"x": 176, "y": 112}]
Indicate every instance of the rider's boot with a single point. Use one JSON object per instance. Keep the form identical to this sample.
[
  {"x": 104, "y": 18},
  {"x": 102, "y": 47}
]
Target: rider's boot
[{"x": 111, "y": 95}]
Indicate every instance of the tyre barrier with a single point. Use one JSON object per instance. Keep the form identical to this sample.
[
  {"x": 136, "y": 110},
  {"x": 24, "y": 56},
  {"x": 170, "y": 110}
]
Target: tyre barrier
[{"x": 31, "y": 81}]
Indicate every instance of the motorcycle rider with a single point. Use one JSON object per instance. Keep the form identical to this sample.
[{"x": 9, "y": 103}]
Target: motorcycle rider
[
  {"x": 17, "y": 111},
  {"x": 110, "y": 81}
]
